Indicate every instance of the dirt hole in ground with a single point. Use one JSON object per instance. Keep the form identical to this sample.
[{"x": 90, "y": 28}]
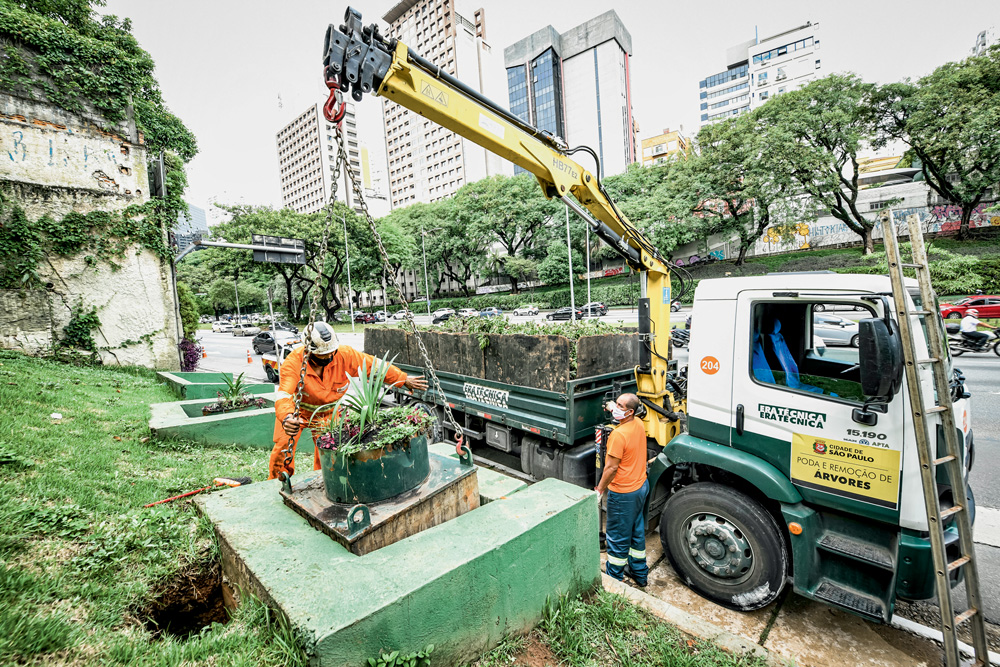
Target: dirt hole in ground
[{"x": 190, "y": 601}]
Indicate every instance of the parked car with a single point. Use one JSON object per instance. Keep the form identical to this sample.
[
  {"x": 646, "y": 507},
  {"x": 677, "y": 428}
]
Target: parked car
[
  {"x": 490, "y": 312},
  {"x": 836, "y": 330},
  {"x": 285, "y": 326},
  {"x": 987, "y": 305},
  {"x": 530, "y": 309},
  {"x": 245, "y": 330},
  {"x": 222, "y": 327},
  {"x": 468, "y": 312},
  {"x": 265, "y": 340},
  {"x": 594, "y": 309},
  {"x": 564, "y": 313},
  {"x": 380, "y": 315},
  {"x": 438, "y": 319},
  {"x": 400, "y": 315},
  {"x": 820, "y": 307},
  {"x": 362, "y": 317},
  {"x": 675, "y": 305},
  {"x": 444, "y": 311}
]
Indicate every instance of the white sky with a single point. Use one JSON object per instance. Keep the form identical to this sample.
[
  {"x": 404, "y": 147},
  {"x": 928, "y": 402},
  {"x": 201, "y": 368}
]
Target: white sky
[{"x": 223, "y": 64}]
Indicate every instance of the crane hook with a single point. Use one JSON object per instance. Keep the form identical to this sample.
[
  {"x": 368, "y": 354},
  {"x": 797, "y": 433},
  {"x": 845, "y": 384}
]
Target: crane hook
[{"x": 335, "y": 108}]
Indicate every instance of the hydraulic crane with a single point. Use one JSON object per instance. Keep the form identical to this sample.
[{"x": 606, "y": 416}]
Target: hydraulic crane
[{"x": 360, "y": 60}]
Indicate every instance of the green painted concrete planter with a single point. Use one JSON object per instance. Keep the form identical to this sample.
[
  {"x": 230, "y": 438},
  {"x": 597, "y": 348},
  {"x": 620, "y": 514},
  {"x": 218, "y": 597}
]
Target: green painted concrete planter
[
  {"x": 375, "y": 474},
  {"x": 205, "y": 385},
  {"x": 183, "y": 419}
]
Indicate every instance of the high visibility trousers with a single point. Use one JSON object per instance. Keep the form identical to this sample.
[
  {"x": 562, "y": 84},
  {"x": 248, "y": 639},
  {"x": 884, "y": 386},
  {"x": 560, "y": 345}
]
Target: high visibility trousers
[
  {"x": 626, "y": 534},
  {"x": 276, "y": 463}
]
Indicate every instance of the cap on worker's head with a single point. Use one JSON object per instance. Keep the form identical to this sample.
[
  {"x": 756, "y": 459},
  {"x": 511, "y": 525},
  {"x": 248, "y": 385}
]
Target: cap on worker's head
[
  {"x": 321, "y": 338},
  {"x": 972, "y": 311}
]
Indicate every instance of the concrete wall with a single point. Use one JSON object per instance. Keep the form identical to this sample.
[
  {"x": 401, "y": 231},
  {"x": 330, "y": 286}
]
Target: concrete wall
[{"x": 56, "y": 162}]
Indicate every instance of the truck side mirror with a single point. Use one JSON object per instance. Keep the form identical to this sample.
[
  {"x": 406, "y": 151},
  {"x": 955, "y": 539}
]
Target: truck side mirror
[{"x": 881, "y": 358}]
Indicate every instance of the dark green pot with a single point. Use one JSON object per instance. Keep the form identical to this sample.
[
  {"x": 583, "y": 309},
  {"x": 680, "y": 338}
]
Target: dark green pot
[{"x": 376, "y": 474}]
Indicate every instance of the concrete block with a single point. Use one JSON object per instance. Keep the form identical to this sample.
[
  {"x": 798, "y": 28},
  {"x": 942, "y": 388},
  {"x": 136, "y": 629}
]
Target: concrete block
[
  {"x": 462, "y": 585},
  {"x": 252, "y": 428},
  {"x": 493, "y": 485},
  {"x": 205, "y": 385}
]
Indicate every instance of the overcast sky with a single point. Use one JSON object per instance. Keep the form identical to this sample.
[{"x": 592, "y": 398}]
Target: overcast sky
[{"x": 237, "y": 71}]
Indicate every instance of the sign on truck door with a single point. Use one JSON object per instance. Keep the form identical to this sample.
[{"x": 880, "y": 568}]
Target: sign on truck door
[{"x": 793, "y": 402}]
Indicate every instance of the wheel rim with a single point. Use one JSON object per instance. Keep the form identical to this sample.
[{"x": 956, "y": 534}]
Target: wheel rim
[
  {"x": 855, "y": 341},
  {"x": 718, "y": 547}
]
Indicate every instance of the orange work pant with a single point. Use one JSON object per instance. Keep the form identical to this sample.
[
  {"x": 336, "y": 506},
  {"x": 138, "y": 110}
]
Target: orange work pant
[{"x": 276, "y": 465}]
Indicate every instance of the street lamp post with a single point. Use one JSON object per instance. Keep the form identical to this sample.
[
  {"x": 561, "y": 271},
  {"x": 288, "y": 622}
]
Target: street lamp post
[
  {"x": 423, "y": 244},
  {"x": 347, "y": 255},
  {"x": 587, "y": 227},
  {"x": 569, "y": 256}
]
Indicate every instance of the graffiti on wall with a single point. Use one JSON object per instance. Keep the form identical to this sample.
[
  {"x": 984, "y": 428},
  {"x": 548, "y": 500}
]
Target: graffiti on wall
[{"x": 933, "y": 220}]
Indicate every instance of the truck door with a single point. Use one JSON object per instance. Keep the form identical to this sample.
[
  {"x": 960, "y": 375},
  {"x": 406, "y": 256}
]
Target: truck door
[{"x": 796, "y": 390}]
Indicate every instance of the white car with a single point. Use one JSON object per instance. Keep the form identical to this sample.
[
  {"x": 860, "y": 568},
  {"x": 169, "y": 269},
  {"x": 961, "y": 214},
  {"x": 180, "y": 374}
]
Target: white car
[
  {"x": 245, "y": 330},
  {"x": 400, "y": 315},
  {"x": 222, "y": 327},
  {"x": 526, "y": 310},
  {"x": 444, "y": 311},
  {"x": 468, "y": 312}
]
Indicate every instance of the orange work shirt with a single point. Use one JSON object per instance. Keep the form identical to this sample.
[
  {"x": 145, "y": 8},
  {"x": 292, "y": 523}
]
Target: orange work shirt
[
  {"x": 330, "y": 387},
  {"x": 627, "y": 442}
]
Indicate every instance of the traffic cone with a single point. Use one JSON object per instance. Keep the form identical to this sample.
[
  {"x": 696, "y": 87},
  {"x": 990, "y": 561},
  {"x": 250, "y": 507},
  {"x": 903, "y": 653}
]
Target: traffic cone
[
  {"x": 249, "y": 360},
  {"x": 204, "y": 354}
]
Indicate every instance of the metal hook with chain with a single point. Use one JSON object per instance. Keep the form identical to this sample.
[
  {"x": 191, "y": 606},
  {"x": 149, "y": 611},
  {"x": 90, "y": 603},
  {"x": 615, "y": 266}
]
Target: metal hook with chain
[{"x": 462, "y": 449}]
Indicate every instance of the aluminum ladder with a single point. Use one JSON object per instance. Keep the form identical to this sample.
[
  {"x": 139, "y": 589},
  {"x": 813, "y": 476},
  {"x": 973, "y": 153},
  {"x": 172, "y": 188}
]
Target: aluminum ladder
[{"x": 952, "y": 459}]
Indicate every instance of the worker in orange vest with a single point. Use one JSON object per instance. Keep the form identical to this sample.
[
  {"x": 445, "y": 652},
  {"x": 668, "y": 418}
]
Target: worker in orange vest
[{"x": 326, "y": 382}]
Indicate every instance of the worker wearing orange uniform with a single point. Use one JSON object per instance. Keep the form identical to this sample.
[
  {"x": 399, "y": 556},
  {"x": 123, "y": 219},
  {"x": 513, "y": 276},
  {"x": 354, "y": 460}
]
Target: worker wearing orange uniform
[{"x": 326, "y": 382}]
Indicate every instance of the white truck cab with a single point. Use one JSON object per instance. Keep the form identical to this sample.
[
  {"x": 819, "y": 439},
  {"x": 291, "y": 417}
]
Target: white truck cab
[{"x": 790, "y": 467}]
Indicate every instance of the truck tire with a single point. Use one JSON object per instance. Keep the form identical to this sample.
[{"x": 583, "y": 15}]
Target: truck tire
[
  {"x": 271, "y": 375},
  {"x": 435, "y": 433},
  {"x": 725, "y": 546}
]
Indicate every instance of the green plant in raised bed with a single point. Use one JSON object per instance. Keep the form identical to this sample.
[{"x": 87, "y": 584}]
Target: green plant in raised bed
[{"x": 233, "y": 397}]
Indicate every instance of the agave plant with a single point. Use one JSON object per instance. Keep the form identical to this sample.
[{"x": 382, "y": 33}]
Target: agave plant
[
  {"x": 365, "y": 393},
  {"x": 234, "y": 387}
]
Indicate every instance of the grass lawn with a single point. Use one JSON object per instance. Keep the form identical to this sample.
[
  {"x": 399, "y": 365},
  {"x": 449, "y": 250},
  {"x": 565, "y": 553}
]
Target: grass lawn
[
  {"x": 608, "y": 630},
  {"x": 82, "y": 563}
]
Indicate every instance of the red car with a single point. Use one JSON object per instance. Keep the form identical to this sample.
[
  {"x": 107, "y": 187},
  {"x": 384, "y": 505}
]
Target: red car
[
  {"x": 987, "y": 305},
  {"x": 365, "y": 318}
]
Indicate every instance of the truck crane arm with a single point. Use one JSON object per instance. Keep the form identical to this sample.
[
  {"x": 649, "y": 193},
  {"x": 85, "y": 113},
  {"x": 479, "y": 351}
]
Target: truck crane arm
[{"x": 358, "y": 59}]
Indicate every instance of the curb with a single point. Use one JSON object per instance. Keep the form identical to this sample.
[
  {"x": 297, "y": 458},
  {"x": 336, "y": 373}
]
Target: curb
[
  {"x": 691, "y": 625},
  {"x": 937, "y": 637}
]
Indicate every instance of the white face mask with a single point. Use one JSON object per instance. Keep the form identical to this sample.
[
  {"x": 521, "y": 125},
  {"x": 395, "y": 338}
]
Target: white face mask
[{"x": 618, "y": 413}]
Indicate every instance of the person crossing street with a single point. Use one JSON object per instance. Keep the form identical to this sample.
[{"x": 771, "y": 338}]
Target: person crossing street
[
  {"x": 326, "y": 382},
  {"x": 624, "y": 479}
]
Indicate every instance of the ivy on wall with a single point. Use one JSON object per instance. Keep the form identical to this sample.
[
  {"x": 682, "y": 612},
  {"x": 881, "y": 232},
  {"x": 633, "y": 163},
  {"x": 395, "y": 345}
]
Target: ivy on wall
[{"x": 77, "y": 58}]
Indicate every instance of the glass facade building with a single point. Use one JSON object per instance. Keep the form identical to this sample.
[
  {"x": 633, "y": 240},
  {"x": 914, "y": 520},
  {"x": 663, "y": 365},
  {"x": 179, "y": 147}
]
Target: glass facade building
[
  {"x": 517, "y": 87},
  {"x": 546, "y": 84}
]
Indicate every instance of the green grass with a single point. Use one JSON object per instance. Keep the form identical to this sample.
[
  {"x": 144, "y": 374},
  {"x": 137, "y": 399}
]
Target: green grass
[
  {"x": 609, "y": 630},
  {"x": 79, "y": 555}
]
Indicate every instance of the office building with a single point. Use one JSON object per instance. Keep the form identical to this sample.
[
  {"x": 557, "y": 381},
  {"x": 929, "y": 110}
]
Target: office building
[
  {"x": 307, "y": 154},
  {"x": 189, "y": 227},
  {"x": 665, "y": 146},
  {"x": 425, "y": 161},
  {"x": 985, "y": 40},
  {"x": 576, "y": 85},
  {"x": 760, "y": 69}
]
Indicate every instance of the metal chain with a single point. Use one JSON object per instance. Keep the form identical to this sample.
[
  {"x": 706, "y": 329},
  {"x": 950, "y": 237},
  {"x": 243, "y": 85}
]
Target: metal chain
[
  {"x": 313, "y": 307},
  {"x": 359, "y": 195}
]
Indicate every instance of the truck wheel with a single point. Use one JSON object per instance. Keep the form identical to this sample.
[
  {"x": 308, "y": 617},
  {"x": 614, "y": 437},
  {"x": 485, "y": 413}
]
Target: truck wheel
[
  {"x": 271, "y": 375},
  {"x": 436, "y": 431},
  {"x": 724, "y": 545}
]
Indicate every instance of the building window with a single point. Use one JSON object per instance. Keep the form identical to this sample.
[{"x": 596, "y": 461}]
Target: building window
[
  {"x": 546, "y": 86},
  {"x": 817, "y": 64},
  {"x": 764, "y": 95}
]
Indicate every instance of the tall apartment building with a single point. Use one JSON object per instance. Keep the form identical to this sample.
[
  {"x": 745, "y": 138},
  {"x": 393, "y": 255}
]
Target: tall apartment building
[
  {"x": 985, "y": 40},
  {"x": 426, "y": 162},
  {"x": 760, "y": 69},
  {"x": 659, "y": 149},
  {"x": 577, "y": 86},
  {"x": 307, "y": 153}
]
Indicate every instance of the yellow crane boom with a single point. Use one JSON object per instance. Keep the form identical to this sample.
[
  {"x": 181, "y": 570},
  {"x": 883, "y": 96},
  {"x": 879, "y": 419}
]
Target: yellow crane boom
[{"x": 359, "y": 59}]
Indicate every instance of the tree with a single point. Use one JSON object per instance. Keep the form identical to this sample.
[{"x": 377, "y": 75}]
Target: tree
[
  {"x": 511, "y": 211},
  {"x": 189, "y": 311},
  {"x": 814, "y": 135},
  {"x": 949, "y": 119},
  {"x": 736, "y": 188},
  {"x": 554, "y": 269}
]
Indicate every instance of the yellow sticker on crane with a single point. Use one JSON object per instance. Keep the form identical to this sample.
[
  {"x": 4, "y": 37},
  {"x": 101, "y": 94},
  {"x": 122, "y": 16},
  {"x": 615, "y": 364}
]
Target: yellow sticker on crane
[{"x": 859, "y": 472}]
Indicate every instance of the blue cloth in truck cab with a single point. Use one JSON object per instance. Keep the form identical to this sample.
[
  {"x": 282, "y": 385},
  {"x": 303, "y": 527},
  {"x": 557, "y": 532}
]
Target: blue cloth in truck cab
[
  {"x": 761, "y": 369},
  {"x": 787, "y": 361}
]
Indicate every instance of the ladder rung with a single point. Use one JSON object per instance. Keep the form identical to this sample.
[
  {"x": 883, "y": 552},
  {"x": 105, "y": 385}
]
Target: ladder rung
[
  {"x": 935, "y": 409},
  {"x": 944, "y": 459},
  {"x": 955, "y": 509},
  {"x": 929, "y": 361},
  {"x": 957, "y": 563},
  {"x": 912, "y": 265},
  {"x": 918, "y": 312},
  {"x": 965, "y": 615}
]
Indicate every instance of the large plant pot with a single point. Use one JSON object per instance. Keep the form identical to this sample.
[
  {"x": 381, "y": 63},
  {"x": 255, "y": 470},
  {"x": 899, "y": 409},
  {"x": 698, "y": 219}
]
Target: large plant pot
[{"x": 376, "y": 474}]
